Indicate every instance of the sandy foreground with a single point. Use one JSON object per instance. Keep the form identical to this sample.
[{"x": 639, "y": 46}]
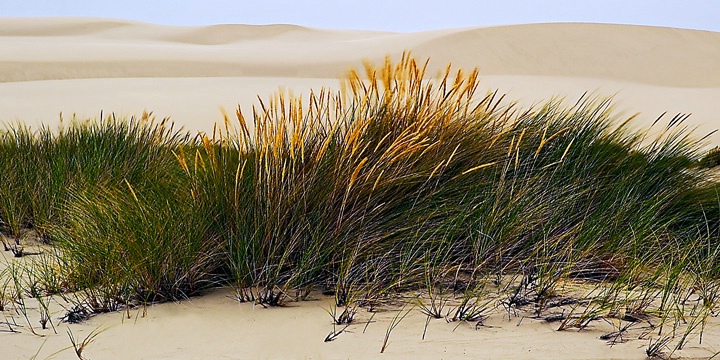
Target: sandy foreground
[
  {"x": 216, "y": 326},
  {"x": 85, "y": 66}
]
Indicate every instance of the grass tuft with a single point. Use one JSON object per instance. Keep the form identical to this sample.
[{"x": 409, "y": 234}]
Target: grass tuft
[{"x": 398, "y": 182}]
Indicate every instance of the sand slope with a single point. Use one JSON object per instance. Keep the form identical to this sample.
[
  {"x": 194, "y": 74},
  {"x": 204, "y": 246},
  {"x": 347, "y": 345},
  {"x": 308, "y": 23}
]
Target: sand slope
[
  {"x": 650, "y": 55},
  {"x": 42, "y": 49}
]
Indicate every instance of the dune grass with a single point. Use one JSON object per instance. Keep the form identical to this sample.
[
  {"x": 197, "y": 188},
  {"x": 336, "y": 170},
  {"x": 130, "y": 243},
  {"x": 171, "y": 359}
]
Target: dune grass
[{"x": 395, "y": 183}]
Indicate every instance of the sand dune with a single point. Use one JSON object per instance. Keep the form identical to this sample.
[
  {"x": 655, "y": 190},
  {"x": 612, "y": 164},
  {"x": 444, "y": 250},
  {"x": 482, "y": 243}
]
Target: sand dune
[
  {"x": 83, "y": 66},
  {"x": 650, "y": 55},
  {"x": 50, "y": 66},
  {"x": 55, "y": 27},
  {"x": 78, "y": 65},
  {"x": 92, "y": 49}
]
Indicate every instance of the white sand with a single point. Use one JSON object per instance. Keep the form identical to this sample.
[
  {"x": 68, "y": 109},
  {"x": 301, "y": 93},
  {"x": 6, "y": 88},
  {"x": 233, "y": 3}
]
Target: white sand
[
  {"x": 84, "y": 66},
  {"x": 218, "y": 327}
]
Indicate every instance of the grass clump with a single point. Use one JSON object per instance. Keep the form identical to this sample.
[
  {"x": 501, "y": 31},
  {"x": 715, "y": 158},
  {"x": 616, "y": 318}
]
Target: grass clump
[
  {"x": 160, "y": 248},
  {"x": 356, "y": 189},
  {"x": 107, "y": 195},
  {"x": 398, "y": 182}
]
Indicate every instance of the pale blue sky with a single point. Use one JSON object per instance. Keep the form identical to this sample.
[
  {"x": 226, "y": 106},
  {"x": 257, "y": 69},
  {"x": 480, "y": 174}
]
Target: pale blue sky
[{"x": 390, "y": 15}]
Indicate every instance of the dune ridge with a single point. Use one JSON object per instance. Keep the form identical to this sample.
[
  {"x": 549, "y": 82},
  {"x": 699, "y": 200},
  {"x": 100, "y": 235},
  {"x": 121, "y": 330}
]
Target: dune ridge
[
  {"x": 55, "y": 27},
  {"x": 649, "y": 55}
]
